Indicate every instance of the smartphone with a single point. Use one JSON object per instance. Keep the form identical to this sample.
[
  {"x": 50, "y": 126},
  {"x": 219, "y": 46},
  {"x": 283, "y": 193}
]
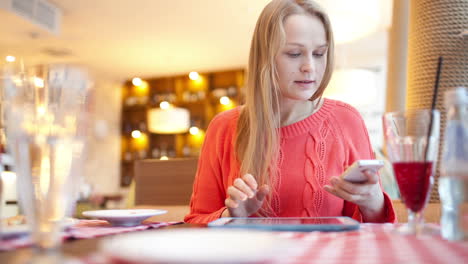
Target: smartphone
[
  {"x": 301, "y": 224},
  {"x": 355, "y": 172}
]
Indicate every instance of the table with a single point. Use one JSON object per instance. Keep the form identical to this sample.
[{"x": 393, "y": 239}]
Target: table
[
  {"x": 78, "y": 248},
  {"x": 373, "y": 243}
]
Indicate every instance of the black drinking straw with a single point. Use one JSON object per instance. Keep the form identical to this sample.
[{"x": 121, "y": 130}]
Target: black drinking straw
[{"x": 434, "y": 99}]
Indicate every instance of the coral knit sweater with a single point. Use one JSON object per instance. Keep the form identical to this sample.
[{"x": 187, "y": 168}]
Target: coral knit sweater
[{"x": 312, "y": 151}]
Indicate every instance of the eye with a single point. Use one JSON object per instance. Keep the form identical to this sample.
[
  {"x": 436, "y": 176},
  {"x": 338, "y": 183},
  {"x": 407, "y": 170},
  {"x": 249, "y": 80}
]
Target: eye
[
  {"x": 294, "y": 55},
  {"x": 318, "y": 55}
]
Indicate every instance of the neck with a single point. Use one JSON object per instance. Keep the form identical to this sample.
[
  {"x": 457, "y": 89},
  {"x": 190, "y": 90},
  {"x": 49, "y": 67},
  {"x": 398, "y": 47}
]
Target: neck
[{"x": 294, "y": 111}]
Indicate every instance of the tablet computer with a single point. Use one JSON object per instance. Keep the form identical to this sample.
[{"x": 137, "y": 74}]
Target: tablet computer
[{"x": 303, "y": 224}]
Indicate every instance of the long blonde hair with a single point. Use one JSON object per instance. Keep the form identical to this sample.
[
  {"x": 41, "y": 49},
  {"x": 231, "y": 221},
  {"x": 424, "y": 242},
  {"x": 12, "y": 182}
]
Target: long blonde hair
[{"x": 257, "y": 138}]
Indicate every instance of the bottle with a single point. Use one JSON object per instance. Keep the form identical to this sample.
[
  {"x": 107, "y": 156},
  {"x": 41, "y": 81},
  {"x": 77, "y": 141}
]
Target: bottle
[{"x": 453, "y": 181}]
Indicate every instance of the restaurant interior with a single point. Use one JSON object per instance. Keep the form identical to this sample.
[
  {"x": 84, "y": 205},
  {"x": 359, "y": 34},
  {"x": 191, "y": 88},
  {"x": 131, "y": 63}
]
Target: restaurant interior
[{"x": 161, "y": 70}]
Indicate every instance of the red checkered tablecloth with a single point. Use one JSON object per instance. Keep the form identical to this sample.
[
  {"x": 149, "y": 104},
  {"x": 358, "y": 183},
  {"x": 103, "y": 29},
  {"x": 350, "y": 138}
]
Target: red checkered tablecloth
[
  {"x": 375, "y": 243},
  {"x": 372, "y": 243}
]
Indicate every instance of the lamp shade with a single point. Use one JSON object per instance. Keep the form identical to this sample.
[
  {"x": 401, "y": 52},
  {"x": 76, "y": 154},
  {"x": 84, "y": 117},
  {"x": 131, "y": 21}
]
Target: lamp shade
[{"x": 168, "y": 121}]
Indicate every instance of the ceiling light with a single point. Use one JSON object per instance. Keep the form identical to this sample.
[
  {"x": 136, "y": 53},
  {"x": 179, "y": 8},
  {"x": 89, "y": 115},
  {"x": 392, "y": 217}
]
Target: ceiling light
[
  {"x": 164, "y": 105},
  {"x": 10, "y": 58},
  {"x": 194, "y": 76},
  {"x": 194, "y": 130},
  {"x": 136, "y": 134},
  {"x": 137, "y": 81},
  {"x": 224, "y": 100}
]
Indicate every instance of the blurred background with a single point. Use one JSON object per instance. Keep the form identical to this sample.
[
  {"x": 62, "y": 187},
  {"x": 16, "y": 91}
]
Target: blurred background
[{"x": 162, "y": 69}]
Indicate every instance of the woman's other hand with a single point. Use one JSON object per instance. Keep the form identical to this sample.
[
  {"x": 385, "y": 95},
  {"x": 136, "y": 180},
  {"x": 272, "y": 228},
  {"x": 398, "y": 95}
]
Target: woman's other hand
[
  {"x": 244, "y": 197},
  {"x": 367, "y": 195}
]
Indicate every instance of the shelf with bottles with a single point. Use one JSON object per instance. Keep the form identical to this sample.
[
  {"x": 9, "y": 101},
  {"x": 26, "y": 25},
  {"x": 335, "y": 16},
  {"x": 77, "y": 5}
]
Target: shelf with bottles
[
  {"x": 135, "y": 96},
  {"x": 126, "y": 174},
  {"x": 204, "y": 95}
]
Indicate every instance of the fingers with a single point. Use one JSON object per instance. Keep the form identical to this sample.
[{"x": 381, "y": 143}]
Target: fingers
[
  {"x": 342, "y": 193},
  {"x": 262, "y": 192},
  {"x": 244, "y": 196},
  {"x": 357, "y": 188},
  {"x": 359, "y": 193},
  {"x": 372, "y": 176},
  {"x": 236, "y": 194},
  {"x": 250, "y": 180},
  {"x": 231, "y": 203},
  {"x": 244, "y": 187},
  {"x": 352, "y": 188}
]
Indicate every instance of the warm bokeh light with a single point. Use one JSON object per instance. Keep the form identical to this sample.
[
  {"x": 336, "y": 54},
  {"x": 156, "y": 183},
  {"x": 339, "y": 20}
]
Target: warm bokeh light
[
  {"x": 225, "y": 104},
  {"x": 199, "y": 84},
  {"x": 139, "y": 143},
  {"x": 142, "y": 89},
  {"x": 136, "y": 134},
  {"x": 10, "y": 58},
  {"x": 164, "y": 105},
  {"x": 41, "y": 110},
  {"x": 194, "y": 76},
  {"x": 224, "y": 100},
  {"x": 196, "y": 141},
  {"x": 137, "y": 81},
  {"x": 164, "y": 158},
  {"x": 193, "y": 130},
  {"x": 38, "y": 82}
]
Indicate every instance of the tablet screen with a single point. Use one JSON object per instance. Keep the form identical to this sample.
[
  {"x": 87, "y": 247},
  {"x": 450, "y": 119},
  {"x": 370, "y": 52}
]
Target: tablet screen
[{"x": 290, "y": 221}]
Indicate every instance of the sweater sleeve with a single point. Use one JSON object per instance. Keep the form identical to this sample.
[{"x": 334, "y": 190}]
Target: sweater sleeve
[
  {"x": 359, "y": 147},
  {"x": 207, "y": 201}
]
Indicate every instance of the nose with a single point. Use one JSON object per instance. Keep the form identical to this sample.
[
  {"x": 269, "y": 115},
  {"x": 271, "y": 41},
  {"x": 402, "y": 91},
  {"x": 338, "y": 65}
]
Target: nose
[{"x": 307, "y": 65}]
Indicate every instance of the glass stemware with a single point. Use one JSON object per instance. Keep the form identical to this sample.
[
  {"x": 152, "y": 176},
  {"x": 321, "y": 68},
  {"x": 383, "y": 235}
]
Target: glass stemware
[
  {"x": 412, "y": 140},
  {"x": 45, "y": 113}
]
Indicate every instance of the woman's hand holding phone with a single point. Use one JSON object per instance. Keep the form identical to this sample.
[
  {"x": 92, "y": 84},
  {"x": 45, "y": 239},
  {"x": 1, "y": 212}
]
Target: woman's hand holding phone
[
  {"x": 244, "y": 197},
  {"x": 367, "y": 194}
]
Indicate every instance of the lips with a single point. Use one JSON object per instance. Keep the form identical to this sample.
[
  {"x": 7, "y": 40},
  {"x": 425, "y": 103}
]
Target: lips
[{"x": 304, "y": 81}]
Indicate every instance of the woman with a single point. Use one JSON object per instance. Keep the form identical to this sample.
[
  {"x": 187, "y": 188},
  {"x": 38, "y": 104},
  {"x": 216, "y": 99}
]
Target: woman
[{"x": 281, "y": 152}]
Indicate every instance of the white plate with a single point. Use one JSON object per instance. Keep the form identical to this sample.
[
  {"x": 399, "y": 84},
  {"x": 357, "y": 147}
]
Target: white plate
[
  {"x": 197, "y": 245},
  {"x": 8, "y": 231},
  {"x": 124, "y": 217}
]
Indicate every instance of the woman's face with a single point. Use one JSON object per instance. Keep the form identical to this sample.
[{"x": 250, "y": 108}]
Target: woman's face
[{"x": 302, "y": 61}]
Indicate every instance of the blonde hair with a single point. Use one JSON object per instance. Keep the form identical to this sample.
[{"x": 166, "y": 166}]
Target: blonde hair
[{"x": 257, "y": 138}]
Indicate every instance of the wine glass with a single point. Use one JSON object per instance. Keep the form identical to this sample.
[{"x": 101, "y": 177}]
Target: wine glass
[
  {"x": 412, "y": 140},
  {"x": 45, "y": 114}
]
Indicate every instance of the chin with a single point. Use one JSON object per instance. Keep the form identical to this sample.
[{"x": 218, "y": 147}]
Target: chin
[
  {"x": 299, "y": 97},
  {"x": 306, "y": 96},
  {"x": 299, "y": 93}
]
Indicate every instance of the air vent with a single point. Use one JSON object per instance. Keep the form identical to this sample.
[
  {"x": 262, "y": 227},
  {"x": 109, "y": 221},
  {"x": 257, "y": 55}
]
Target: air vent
[{"x": 39, "y": 12}]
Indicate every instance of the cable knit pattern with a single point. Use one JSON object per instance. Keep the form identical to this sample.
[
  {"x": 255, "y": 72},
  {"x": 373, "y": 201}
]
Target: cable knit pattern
[
  {"x": 275, "y": 199},
  {"x": 311, "y": 152}
]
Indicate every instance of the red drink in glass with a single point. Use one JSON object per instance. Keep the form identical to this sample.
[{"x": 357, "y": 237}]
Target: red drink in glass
[
  {"x": 414, "y": 181},
  {"x": 412, "y": 140}
]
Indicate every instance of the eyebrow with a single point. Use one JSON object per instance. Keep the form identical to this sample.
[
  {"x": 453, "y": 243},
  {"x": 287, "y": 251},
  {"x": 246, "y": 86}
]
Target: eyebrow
[{"x": 301, "y": 45}]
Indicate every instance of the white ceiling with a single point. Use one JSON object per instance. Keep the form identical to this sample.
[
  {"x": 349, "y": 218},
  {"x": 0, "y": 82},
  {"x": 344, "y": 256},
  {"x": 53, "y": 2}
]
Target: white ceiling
[{"x": 148, "y": 38}]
